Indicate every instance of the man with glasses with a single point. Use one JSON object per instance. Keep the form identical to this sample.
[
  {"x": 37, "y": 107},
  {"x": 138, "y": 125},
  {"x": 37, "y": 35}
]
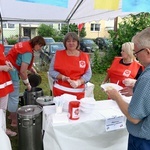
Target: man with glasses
[
  {"x": 135, "y": 53},
  {"x": 138, "y": 111}
]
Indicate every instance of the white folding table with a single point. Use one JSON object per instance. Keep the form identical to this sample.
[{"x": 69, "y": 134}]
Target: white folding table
[{"x": 87, "y": 133}]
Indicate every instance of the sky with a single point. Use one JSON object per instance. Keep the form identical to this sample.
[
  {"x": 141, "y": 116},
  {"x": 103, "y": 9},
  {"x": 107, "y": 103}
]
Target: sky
[
  {"x": 136, "y": 5},
  {"x": 61, "y": 3}
]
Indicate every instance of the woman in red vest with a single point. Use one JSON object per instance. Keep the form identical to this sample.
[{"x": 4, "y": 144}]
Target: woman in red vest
[
  {"x": 70, "y": 68},
  {"x": 6, "y": 85},
  {"x": 124, "y": 67},
  {"x": 21, "y": 56}
]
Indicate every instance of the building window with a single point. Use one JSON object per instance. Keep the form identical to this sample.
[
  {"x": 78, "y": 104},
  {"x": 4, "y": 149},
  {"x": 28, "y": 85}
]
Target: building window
[
  {"x": 4, "y": 25},
  {"x": 60, "y": 25},
  {"x": 95, "y": 27},
  {"x": 10, "y": 25}
]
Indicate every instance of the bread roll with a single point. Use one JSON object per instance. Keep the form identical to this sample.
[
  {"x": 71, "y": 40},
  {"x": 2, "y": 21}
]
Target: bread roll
[{"x": 109, "y": 88}]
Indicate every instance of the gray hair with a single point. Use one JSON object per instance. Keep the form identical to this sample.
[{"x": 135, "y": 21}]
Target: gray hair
[{"x": 142, "y": 39}]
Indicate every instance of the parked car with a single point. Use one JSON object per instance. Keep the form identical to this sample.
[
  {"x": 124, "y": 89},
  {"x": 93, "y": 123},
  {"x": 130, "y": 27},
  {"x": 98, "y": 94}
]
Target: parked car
[
  {"x": 49, "y": 50},
  {"x": 24, "y": 38},
  {"x": 49, "y": 40},
  {"x": 7, "y": 48},
  {"x": 88, "y": 45},
  {"x": 103, "y": 43}
]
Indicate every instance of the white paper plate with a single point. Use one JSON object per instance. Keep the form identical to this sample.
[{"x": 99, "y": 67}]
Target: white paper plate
[{"x": 113, "y": 85}]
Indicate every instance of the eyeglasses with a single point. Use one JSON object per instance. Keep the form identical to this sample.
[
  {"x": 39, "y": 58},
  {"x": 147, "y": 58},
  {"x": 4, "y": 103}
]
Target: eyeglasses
[{"x": 138, "y": 51}]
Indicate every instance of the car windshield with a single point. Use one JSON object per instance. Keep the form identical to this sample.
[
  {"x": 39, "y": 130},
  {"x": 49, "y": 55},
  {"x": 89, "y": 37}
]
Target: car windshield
[
  {"x": 54, "y": 48},
  {"x": 48, "y": 40},
  {"x": 108, "y": 41},
  {"x": 88, "y": 41},
  {"x": 25, "y": 39}
]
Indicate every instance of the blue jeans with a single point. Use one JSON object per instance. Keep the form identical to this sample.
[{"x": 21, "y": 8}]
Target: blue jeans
[
  {"x": 13, "y": 99},
  {"x": 135, "y": 143}
]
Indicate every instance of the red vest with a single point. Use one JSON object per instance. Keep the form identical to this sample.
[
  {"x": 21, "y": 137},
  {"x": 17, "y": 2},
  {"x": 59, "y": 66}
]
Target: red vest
[
  {"x": 118, "y": 72},
  {"x": 20, "y": 48},
  {"x": 6, "y": 85},
  {"x": 70, "y": 66}
]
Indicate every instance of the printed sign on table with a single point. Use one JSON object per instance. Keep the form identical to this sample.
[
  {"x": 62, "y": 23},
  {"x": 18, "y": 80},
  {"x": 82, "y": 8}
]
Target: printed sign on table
[
  {"x": 114, "y": 119},
  {"x": 115, "y": 123}
]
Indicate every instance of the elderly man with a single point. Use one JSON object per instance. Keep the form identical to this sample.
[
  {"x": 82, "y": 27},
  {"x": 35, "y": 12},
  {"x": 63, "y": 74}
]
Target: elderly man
[{"x": 138, "y": 111}]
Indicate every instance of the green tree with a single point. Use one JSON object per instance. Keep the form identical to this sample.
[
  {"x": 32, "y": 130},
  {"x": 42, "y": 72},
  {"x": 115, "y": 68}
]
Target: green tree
[
  {"x": 73, "y": 28},
  {"x": 129, "y": 26},
  {"x": 48, "y": 31}
]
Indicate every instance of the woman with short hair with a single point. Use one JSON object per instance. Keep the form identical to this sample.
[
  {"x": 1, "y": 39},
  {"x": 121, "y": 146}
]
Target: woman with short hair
[
  {"x": 70, "y": 68},
  {"x": 21, "y": 55}
]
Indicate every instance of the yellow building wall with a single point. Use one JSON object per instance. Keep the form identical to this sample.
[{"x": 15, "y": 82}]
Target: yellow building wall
[
  {"x": 95, "y": 34},
  {"x": 104, "y": 27}
]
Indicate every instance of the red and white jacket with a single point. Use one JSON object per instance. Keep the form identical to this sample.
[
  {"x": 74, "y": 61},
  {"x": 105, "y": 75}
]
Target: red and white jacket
[{"x": 6, "y": 85}]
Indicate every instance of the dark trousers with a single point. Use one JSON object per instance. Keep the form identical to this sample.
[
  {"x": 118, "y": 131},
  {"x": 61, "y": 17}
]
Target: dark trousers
[{"x": 135, "y": 143}]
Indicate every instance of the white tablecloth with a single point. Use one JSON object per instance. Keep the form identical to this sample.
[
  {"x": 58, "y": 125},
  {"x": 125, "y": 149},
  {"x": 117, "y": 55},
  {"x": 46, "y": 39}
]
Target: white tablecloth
[
  {"x": 87, "y": 133},
  {"x": 4, "y": 139},
  {"x": 2, "y": 120}
]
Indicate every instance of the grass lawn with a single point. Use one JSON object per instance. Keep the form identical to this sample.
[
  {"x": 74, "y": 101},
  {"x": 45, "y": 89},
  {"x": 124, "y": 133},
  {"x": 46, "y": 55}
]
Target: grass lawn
[{"x": 98, "y": 95}]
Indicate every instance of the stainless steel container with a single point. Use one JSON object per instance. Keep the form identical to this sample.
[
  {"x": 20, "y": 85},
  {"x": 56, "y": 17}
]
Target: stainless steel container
[
  {"x": 30, "y": 127},
  {"x": 31, "y": 96},
  {"x": 45, "y": 100}
]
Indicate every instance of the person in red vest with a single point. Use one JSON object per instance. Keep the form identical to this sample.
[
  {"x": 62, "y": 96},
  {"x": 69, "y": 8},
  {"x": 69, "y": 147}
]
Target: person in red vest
[
  {"x": 125, "y": 67},
  {"x": 70, "y": 68},
  {"x": 6, "y": 85},
  {"x": 21, "y": 56}
]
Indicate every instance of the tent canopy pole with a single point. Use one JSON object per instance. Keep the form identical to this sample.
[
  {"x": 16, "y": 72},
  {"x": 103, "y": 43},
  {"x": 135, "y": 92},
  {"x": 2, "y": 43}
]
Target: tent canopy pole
[{"x": 2, "y": 35}]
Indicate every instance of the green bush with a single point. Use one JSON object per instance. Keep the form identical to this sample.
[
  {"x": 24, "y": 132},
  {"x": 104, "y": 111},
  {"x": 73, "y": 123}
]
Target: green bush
[
  {"x": 58, "y": 38},
  {"x": 102, "y": 60},
  {"x": 11, "y": 41},
  {"x": 96, "y": 67},
  {"x": 128, "y": 28}
]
